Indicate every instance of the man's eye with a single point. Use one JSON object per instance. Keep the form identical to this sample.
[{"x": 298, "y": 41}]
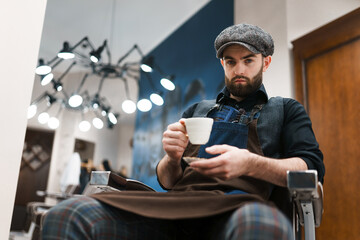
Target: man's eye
[
  {"x": 231, "y": 63},
  {"x": 248, "y": 60}
]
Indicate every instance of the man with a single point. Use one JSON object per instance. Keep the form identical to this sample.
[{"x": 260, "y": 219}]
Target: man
[{"x": 254, "y": 141}]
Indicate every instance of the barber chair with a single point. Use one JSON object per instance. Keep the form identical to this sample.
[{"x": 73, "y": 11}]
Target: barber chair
[{"x": 304, "y": 196}]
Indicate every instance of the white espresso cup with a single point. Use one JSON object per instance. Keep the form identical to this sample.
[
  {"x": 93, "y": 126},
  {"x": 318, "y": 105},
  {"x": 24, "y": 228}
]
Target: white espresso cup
[{"x": 199, "y": 129}]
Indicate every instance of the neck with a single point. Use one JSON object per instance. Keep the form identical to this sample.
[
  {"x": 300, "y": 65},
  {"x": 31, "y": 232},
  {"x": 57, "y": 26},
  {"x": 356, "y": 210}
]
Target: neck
[{"x": 239, "y": 99}]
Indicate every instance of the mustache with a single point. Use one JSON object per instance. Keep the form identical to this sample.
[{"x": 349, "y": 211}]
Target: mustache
[{"x": 240, "y": 77}]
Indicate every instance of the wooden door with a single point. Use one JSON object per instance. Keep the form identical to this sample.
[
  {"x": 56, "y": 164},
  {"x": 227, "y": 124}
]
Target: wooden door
[{"x": 327, "y": 69}]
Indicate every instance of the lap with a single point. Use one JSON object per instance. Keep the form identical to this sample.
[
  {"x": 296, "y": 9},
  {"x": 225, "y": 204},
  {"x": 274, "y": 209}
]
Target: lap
[{"x": 86, "y": 218}]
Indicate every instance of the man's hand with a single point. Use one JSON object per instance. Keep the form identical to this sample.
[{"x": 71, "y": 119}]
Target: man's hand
[
  {"x": 175, "y": 140},
  {"x": 231, "y": 163},
  {"x": 234, "y": 162}
]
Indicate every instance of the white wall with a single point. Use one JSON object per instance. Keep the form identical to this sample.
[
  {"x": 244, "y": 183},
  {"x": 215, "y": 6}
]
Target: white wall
[
  {"x": 21, "y": 24},
  {"x": 287, "y": 20},
  {"x": 305, "y": 16},
  {"x": 271, "y": 16}
]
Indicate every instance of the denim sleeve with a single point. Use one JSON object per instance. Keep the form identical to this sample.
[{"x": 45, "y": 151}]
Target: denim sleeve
[{"x": 299, "y": 139}]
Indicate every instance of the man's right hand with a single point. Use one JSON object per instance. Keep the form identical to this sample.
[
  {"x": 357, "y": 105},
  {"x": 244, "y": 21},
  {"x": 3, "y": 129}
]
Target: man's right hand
[{"x": 175, "y": 141}]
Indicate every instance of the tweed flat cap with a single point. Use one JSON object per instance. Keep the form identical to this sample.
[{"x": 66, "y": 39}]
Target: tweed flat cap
[{"x": 252, "y": 37}]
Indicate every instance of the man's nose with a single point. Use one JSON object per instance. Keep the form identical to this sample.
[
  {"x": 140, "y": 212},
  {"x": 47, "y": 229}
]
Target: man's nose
[{"x": 239, "y": 69}]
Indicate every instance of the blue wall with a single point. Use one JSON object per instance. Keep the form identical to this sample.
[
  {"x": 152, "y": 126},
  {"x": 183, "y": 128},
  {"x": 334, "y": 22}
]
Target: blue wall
[{"x": 189, "y": 54}]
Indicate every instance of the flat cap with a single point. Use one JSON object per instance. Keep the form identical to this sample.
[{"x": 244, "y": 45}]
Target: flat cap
[{"x": 252, "y": 37}]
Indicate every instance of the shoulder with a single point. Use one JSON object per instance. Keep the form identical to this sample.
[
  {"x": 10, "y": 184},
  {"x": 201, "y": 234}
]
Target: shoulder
[
  {"x": 199, "y": 109},
  {"x": 290, "y": 105},
  {"x": 189, "y": 111},
  {"x": 293, "y": 108}
]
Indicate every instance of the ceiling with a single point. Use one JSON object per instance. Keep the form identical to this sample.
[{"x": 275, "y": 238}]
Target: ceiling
[{"x": 122, "y": 23}]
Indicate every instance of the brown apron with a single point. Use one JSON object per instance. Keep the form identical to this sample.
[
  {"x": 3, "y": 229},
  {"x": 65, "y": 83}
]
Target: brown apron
[{"x": 196, "y": 195}]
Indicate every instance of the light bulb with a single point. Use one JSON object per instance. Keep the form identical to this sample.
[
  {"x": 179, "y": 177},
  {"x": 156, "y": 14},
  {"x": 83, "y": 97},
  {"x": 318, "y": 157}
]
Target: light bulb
[
  {"x": 98, "y": 123},
  {"x": 75, "y": 100},
  {"x": 43, "y": 70},
  {"x": 167, "y": 84},
  {"x": 112, "y": 118},
  {"x": 53, "y": 123},
  {"x": 157, "y": 99},
  {"x": 128, "y": 106},
  {"x": 94, "y": 59},
  {"x": 145, "y": 68},
  {"x": 144, "y": 105},
  {"x": 84, "y": 126},
  {"x": 43, "y": 117},
  {"x": 66, "y": 55},
  {"x": 46, "y": 79},
  {"x": 31, "y": 111}
]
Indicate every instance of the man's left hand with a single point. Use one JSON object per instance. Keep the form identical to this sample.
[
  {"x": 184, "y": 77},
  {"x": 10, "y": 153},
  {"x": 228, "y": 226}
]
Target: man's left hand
[{"x": 231, "y": 163}]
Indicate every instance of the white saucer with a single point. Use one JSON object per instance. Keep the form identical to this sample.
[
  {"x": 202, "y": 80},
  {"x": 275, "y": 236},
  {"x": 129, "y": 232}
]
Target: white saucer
[{"x": 189, "y": 160}]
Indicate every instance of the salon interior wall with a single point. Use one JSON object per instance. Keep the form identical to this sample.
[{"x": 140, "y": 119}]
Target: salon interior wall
[
  {"x": 288, "y": 20},
  {"x": 21, "y": 24}
]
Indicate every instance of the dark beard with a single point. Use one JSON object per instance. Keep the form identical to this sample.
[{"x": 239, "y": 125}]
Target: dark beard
[{"x": 241, "y": 91}]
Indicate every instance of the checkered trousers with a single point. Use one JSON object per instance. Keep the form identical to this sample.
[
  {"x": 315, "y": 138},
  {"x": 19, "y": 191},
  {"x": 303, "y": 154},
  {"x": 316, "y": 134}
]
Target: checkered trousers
[{"x": 86, "y": 218}]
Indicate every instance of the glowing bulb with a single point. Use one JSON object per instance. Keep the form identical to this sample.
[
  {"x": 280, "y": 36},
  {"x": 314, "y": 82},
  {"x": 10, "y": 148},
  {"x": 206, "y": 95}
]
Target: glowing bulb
[
  {"x": 66, "y": 55},
  {"x": 98, "y": 123},
  {"x": 157, "y": 99},
  {"x": 43, "y": 117},
  {"x": 75, "y": 100},
  {"x": 128, "y": 106},
  {"x": 47, "y": 79},
  {"x": 145, "y": 68},
  {"x": 167, "y": 84},
  {"x": 43, "y": 70},
  {"x": 112, "y": 118},
  {"x": 144, "y": 105},
  {"x": 84, "y": 126},
  {"x": 31, "y": 111},
  {"x": 53, "y": 123}
]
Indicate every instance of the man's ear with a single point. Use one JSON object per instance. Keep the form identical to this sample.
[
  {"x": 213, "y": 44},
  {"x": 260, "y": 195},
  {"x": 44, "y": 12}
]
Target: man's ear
[
  {"x": 222, "y": 62},
  {"x": 267, "y": 61}
]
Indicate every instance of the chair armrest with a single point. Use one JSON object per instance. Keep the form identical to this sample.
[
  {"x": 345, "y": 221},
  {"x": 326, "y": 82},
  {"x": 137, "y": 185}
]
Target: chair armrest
[
  {"x": 305, "y": 188},
  {"x": 103, "y": 181}
]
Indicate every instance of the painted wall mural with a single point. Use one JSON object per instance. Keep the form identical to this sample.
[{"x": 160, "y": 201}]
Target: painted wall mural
[{"x": 189, "y": 53}]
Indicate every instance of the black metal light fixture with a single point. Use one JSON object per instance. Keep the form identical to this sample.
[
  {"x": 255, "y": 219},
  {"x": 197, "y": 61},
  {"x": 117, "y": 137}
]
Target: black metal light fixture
[
  {"x": 97, "y": 67},
  {"x": 66, "y": 52}
]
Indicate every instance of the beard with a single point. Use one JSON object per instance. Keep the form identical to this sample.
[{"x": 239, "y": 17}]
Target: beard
[{"x": 240, "y": 90}]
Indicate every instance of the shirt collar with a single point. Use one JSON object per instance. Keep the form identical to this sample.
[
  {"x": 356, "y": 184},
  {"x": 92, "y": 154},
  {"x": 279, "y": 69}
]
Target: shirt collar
[{"x": 259, "y": 94}]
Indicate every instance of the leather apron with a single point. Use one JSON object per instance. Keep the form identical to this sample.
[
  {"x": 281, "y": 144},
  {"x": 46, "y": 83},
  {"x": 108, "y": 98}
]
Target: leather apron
[{"x": 196, "y": 195}]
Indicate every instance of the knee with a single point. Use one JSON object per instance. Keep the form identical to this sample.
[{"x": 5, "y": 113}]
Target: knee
[
  {"x": 69, "y": 208},
  {"x": 258, "y": 221},
  {"x": 69, "y": 216}
]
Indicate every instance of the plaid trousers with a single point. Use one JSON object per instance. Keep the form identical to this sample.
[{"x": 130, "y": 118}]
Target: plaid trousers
[{"x": 86, "y": 218}]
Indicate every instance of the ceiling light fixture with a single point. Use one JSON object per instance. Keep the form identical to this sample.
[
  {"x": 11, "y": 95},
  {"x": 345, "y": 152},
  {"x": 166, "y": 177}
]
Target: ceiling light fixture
[{"x": 95, "y": 63}]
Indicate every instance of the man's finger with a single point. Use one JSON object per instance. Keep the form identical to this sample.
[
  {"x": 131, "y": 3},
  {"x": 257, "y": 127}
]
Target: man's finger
[{"x": 218, "y": 149}]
